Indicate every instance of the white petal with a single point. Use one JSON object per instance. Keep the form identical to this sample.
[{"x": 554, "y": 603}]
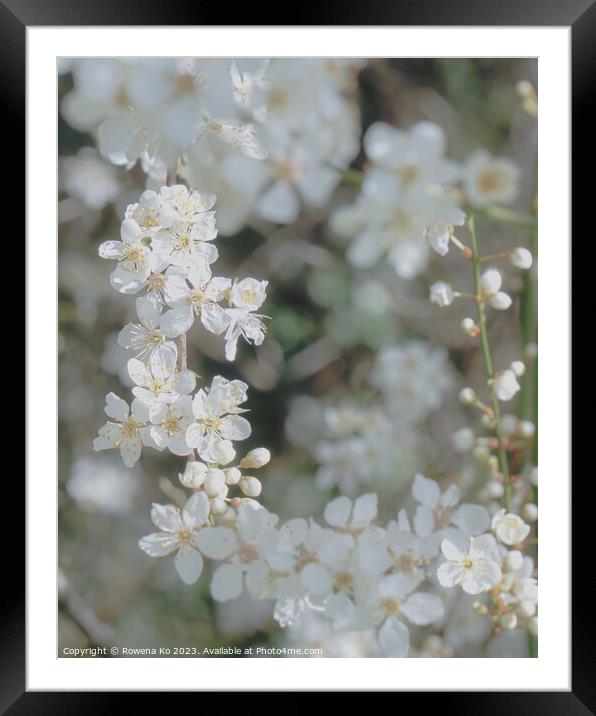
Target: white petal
[
  {"x": 451, "y": 552},
  {"x": 189, "y": 564},
  {"x": 422, "y": 608},
  {"x": 158, "y": 544},
  {"x": 365, "y": 510},
  {"x": 217, "y": 542},
  {"x": 227, "y": 583},
  {"x": 279, "y": 204},
  {"x": 450, "y": 574},
  {"x": 116, "y": 407},
  {"x": 148, "y": 311},
  {"x": 316, "y": 579},
  {"x": 471, "y": 519},
  {"x": 139, "y": 372},
  {"x": 130, "y": 450},
  {"x": 111, "y": 250},
  {"x": 214, "y": 318},
  {"x": 235, "y": 427},
  {"x": 394, "y": 638},
  {"x": 424, "y": 521},
  {"x": 185, "y": 382},
  {"x": 166, "y": 517},
  {"x": 426, "y": 491},
  {"x": 338, "y": 511},
  {"x": 177, "y": 320},
  {"x": 196, "y": 510}
]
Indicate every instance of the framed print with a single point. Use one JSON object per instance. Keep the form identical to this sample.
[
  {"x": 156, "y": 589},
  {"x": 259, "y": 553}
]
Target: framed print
[{"x": 287, "y": 389}]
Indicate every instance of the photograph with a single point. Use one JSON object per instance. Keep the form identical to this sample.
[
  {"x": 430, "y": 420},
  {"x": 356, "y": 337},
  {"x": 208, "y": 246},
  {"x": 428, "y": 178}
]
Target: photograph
[{"x": 297, "y": 357}]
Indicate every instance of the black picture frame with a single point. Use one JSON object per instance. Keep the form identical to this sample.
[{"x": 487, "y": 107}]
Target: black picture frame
[{"x": 580, "y": 15}]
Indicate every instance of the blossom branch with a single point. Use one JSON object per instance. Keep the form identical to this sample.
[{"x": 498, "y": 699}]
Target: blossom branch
[{"x": 488, "y": 364}]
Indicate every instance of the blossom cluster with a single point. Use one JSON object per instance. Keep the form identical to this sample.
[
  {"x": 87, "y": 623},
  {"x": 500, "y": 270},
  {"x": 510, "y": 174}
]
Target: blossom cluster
[
  {"x": 410, "y": 200},
  {"x": 266, "y": 136},
  {"x": 365, "y": 443},
  {"x": 354, "y": 573},
  {"x": 165, "y": 252}
]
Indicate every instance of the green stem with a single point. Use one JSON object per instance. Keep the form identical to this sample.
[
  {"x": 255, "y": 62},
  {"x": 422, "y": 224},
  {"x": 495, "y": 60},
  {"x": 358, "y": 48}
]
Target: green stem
[
  {"x": 508, "y": 216},
  {"x": 488, "y": 365},
  {"x": 351, "y": 177}
]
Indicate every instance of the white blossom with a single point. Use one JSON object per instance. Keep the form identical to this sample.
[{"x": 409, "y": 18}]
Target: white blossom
[
  {"x": 129, "y": 432},
  {"x": 146, "y": 337},
  {"x": 441, "y": 294},
  {"x": 474, "y": 569},
  {"x": 488, "y": 180},
  {"x": 200, "y": 299},
  {"x": 179, "y": 532},
  {"x": 509, "y": 528},
  {"x": 216, "y": 419}
]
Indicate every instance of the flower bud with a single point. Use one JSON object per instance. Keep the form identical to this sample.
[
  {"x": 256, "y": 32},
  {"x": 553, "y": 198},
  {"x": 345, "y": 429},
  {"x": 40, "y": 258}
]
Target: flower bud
[
  {"x": 463, "y": 439},
  {"x": 467, "y": 396},
  {"x": 526, "y": 428},
  {"x": 469, "y": 327},
  {"x": 194, "y": 475},
  {"x": 219, "y": 506},
  {"x": 508, "y": 424},
  {"x": 233, "y": 475},
  {"x": 256, "y": 458},
  {"x": 441, "y": 294},
  {"x": 493, "y": 463},
  {"x": 521, "y": 258},
  {"x": 527, "y": 608},
  {"x": 518, "y": 368},
  {"x": 495, "y": 489},
  {"x": 250, "y": 486},
  {"x": 508, "y": 621},
  {"x": 500, "y": 301},
  {"x": 490, "y": 282},
  {"x": 530, "y": 512},
  {"x": 514, "y": 559},
  {"x": 215, "y": 482},
  {"x": 224, "y": 452},
  {"x": 506, "y": 385}
]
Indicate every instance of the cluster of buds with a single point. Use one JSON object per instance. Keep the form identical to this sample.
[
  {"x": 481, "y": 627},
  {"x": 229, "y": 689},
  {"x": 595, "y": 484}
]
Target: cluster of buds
[{"x": 217, "y": 482}]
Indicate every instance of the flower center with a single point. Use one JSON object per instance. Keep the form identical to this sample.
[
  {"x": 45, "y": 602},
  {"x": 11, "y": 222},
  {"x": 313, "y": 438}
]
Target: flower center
[
  {"x": 149, "y": 220},
  {"x": 409, "y": 173},
  {"x": 287, "y": 171},
  {"x": 247, "y": 553},
  {"x": 490, "y": 180},
  {"x": 468, "y": 564},
  {"x": 249, "y": 296},
  {"x": 211, "y": 423},
  {"x": 278, "y": 99},
  {"x": 197, "y": 298},
  {"x": 170, "y": 425},
  {"x": 129, "y": 427},
  {"x": 155, "y": 338},
  {"x": 441, "y": 516},
  {"x": 390, "y": 605},
  {"x": 406, "y": 562},
  {"x": 184, "y": 536},
  {"x": 156, "y": 281},
  {"x": 345, "y": 579}
]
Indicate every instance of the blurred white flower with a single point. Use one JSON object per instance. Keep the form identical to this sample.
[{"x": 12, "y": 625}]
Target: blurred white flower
[
  {"x": 102, "y": 485},
  {"x": 489, "y": 180},
  {"x": 89, "y": 179}
]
